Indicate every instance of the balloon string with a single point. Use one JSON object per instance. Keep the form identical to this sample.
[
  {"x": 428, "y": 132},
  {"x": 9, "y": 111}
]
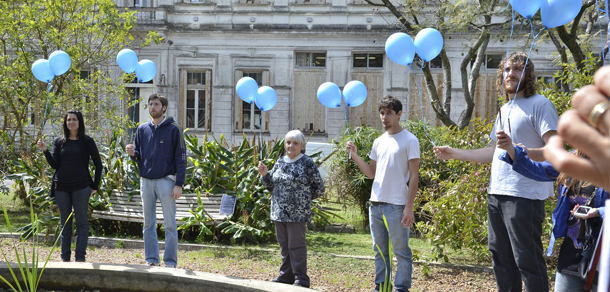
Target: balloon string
[
  {"x": 507, "y": 5},
  {"x": 421, "y": 103},
  {"x": 601, "y": 34},
  {"x": 44, "y": 119},
  {"x": 505, "y": 65},
  {"x": 133, "y": 118},
  {"x": 260, "y": 132},
  {"x": 347, "y": 126},
  {"x": 522, "y": 72}
]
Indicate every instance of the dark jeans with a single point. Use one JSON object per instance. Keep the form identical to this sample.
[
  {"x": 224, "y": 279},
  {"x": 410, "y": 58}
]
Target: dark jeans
[
  {"x": 515, "y": 230},
  {"x": 80, "y": 201},
  {"x": 293, "y": 248}
]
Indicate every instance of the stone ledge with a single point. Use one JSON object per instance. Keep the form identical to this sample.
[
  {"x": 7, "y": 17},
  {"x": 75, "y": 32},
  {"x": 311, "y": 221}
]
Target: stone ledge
[{"x": 112, "y": 277}]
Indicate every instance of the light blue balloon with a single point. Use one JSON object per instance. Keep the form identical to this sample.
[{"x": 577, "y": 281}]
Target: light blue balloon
[
  {"x": 559, "y": 12},
  {"x": 146, "y": 70},
  {"x": 329, "y": 95},
  {"x": 400, "y": 48},
  {"x": 428, "y": 43},
  {"x": 247, "y": 89},
  {"x": 42, "y": 70},
  {"x": 354, "y": 93},
  {"x": 60, "y": 62},
  {"x": 527, "y": 8},
  {"x": 127, "y": 60},
  {"x": 266, "y": 98}
]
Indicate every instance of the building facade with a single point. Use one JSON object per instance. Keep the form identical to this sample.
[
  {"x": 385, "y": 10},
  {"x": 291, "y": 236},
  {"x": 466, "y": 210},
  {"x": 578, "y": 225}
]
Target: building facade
[{"x": 293, "y": 46}]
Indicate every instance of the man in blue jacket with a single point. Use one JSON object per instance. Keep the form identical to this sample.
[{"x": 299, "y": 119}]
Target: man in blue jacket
[{"x": 160, "y": 153}]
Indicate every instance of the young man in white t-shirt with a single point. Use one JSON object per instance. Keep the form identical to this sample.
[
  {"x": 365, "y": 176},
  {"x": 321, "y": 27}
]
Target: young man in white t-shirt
[{"x": 394, "y": 169}]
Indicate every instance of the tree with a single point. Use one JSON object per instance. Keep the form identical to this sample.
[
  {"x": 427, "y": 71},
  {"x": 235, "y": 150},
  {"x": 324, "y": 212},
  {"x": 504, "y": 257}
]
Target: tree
[
  {"x": 91, "y": 32},
  {"x": 451, "y": 17},
  {"x": 574, "y": 40}
]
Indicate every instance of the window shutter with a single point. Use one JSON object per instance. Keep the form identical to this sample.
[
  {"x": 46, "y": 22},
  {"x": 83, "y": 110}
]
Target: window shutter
[
  {"x": 266, "y": 82},
  {"x": 181, "y": 112},
  {"x": 208, "y": 100},
  {"x": 238, "y": 104}
]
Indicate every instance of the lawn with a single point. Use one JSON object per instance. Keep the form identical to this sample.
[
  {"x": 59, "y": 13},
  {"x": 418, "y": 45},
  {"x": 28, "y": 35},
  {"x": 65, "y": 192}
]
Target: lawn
[{"x": 318, "y": 242}]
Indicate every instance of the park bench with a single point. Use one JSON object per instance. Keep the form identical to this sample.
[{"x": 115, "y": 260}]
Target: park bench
[{"x": 123, "y": 208}]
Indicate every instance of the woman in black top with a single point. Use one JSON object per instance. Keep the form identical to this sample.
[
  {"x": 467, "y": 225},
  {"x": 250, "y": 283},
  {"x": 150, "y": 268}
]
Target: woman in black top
[{"x": 72, "y": 184}]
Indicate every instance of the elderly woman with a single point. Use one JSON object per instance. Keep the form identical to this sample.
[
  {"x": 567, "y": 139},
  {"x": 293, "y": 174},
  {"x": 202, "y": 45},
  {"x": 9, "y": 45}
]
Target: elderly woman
[{"x": 294, "y": 181}]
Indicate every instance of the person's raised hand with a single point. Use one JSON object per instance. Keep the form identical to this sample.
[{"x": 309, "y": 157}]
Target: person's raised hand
[
  {"x": 262, "y": 168},
  {"x": 41, "y": 145},
  {"x": 444, "y": 152},
  {"x": 586, "y": 127}
]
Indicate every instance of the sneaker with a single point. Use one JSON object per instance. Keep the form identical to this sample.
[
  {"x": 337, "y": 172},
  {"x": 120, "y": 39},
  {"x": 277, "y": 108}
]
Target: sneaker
[
  {"x": 276, "y": 280},
  {"x": 300, "y": 285},
  {"x": 170, "y": 266},
  {"x": 151, "y": 264}
]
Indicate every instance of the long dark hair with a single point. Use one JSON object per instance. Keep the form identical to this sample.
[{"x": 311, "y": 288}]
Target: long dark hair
[{"x": 81, "y": 124}]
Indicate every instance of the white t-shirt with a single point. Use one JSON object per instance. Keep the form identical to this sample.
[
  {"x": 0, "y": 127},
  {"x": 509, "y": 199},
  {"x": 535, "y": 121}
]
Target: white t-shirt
[
  {"x": 392, "y": 154},
  {"x": 530, "y": 118}
]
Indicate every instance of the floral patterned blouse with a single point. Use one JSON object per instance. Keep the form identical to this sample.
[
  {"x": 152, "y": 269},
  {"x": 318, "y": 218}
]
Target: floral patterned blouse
[{"x": 293, "y": 185}]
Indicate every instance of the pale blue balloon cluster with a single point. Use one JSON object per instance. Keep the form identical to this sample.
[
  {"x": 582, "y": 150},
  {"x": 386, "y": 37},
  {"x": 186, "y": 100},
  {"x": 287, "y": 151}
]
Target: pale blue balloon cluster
[
  {"x": 145, "y": 70},
  {"x": 354, "y": 94},
  {"x": 401, "y": 49},
  {"x": 247, "y": 89},
  {"x": 553, "y": 12},
  {"x": 45, "y": 70}
]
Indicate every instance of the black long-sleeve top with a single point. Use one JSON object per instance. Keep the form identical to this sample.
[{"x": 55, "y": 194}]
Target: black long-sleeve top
[{"x": 70, "y": 158}]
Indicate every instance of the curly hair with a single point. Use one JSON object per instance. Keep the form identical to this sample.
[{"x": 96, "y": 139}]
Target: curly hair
[{"x": 528, "y": 83}]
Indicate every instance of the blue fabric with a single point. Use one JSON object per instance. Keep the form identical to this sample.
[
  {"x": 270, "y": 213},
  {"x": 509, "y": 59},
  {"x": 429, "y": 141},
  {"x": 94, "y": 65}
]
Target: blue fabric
[
  {"x": 400, "y": 245},
  {"x": 160, "y": 151},
  {"x": 544, "y": 171},
  {"x": 79, "y": 201},
  {"x": 151, "y": 191}
]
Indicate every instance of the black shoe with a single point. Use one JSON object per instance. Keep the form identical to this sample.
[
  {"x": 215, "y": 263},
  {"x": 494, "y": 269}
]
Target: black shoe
[
  {"x": 276, "y": 280},
  {"x": 300, "y": 285}
]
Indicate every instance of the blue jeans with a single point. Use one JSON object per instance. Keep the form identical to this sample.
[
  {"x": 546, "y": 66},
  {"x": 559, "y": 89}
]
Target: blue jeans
[
  {"x": 515, "y": 230},
  {"x": 65, "y": 202},
  {"x": 400, "y": 245},
  {"x": 161, "y": 189}
]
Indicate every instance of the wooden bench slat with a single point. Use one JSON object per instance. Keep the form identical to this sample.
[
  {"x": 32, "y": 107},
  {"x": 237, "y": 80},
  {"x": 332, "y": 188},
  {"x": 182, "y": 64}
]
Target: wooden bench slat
[{"x": 123, "y": 208}]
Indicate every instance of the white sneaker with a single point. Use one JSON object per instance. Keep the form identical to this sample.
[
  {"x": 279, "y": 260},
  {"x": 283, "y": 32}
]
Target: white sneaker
[{"x": 151, "y": 264}]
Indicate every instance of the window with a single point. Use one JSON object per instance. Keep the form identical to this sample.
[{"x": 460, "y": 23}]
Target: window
[
  {"x": 140, "y": 3},
  {"x": 492, "y": 61},
  {"x": 368, "y": 61},
  {"x": 436, "y": 63},
  {"x": 248, "y": 117},
  {"x": 251, "y": 114},
  {"x": 309, "y": 60},
  {"x": 85, "y": 74},
  {"x": 197, "y": 106}
]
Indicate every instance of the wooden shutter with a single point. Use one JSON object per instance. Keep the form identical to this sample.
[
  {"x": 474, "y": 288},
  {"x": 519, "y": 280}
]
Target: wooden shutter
[
  {"x": 266, "y": 82},
  {"x": 367, "y": 113},
  {"x": 306, "y": 107},
  {"x": 208, "y": 100},
  {"x": 238, "y": 104}
]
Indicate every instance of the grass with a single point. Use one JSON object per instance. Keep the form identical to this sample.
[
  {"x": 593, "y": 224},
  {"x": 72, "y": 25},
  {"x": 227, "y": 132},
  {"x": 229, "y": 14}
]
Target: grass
[
  {"x": 356, "y": 244},
  {"x": 17, "y": 212}
]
